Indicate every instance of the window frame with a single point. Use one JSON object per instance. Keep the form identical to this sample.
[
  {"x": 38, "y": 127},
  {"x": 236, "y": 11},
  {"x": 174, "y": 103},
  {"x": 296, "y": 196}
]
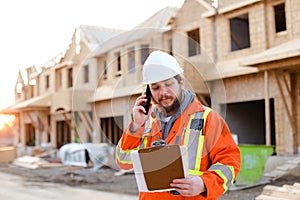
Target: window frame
[
  {"x": 47, "y": 82},
  {"x": 278, "y": 19},
  {"x": 235, "y": 42},
  {"x": 86, "y": 73},
  {"x": 131, "y": 59},
  {"x": 145, "y": 52},
  {"x": 70, "y": 77},
  {"x": 194, "y": 42}
]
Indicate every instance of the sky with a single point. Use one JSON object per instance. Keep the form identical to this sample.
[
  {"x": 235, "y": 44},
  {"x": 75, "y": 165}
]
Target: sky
[{"x": 34, "y": 31}]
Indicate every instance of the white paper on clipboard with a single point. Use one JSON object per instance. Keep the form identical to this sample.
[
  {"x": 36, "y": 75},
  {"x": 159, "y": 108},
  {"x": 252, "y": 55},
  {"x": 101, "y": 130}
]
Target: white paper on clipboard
[{"x": 139, "y": 174}]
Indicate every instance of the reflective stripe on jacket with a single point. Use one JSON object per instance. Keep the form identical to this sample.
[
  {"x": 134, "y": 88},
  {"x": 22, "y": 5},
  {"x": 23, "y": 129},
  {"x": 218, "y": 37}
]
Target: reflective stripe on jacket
[{"x": 212, "y": 152}]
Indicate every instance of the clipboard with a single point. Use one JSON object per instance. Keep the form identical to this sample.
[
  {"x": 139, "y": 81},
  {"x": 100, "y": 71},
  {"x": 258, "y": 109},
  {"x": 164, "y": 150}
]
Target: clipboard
[{"x": 156, "y": 167}]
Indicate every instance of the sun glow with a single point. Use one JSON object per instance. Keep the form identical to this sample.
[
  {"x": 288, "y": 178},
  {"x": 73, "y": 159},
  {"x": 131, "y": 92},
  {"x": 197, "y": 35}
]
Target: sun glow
[{"x": 6, "y": 121}]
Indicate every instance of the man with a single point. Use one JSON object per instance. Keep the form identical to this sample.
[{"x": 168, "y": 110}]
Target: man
[{"x": 177, "y": 117}]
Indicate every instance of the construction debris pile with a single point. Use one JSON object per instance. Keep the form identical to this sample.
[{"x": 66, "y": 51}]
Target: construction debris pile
[
  {"x": 91, "y": 166},
  {"x": 95, "y": 155},
  {"x": 285, "y": 192}
]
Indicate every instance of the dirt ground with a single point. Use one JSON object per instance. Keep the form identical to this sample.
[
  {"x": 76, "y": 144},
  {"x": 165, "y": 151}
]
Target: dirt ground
[{"x": 105, "y": 180}]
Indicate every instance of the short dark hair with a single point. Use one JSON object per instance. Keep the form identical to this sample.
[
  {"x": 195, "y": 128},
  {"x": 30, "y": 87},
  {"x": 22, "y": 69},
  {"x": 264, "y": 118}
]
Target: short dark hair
[{"x": 178, "y": 78}]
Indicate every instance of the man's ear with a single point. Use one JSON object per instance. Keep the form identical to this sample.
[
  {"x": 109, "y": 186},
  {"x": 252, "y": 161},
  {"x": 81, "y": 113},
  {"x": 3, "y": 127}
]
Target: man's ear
[{"x": 182, "y": 81}]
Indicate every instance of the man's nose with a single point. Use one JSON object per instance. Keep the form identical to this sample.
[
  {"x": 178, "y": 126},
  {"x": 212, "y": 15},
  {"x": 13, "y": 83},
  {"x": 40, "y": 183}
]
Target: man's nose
[{"x": 163, "y": 90}]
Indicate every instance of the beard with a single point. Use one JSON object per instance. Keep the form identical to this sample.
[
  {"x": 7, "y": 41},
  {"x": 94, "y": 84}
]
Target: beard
[{"x": 171, "y": 109}]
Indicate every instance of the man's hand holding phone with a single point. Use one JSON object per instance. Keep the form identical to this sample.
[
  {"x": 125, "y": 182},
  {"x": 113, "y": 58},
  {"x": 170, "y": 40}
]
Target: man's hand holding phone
[
  {"x": 146, "y": 104},
  {"x": 141, "y": 109}
]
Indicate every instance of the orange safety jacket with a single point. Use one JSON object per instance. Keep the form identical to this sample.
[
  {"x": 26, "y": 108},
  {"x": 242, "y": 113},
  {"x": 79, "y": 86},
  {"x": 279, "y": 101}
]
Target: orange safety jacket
[{"x": 212, "y": 153}]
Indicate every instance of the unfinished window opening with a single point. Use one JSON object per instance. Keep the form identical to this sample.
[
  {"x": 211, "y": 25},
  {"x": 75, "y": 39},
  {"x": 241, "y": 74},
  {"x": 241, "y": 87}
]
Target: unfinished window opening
[
  {"x": 48, "y": 133},
  {"x": 118, "y": 64},
  {"x": 131, "y": 59},
  {"x": 170, "y": 44},
  {"x": 194, "y": 42},
  {"x": 250, "y": 126},
  {"x": 31, "y": 91},
  {"x": 63, "y": 133},
  {"x": 111, "y": 129},
  {"x": 86, "y": 74},
  {"x": 47, "y": 82},
  {"x": 280, "y": 20},
  {"x": 58, "y": 79},
  {"x": 239, "y": 32},
  {"x": 105, "y": 70},
  {"x": 70, "y": 77},
  {"x": 144, "y": 53},
  {"x": 30, "y": 135}
]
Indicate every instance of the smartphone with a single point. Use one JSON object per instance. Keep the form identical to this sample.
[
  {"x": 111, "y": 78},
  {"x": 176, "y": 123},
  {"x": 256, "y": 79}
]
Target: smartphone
[{"x": 146, "y": 104}]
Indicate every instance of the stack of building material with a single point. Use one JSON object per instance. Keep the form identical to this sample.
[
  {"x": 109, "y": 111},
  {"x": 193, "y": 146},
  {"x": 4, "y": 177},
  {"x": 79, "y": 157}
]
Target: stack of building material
[
  {"x": 29, "y": 162},
  {"x": 32, "y": 162},
  {"x": 7, "y": 154},
  {"x": 292, "y": 166},
  {"x": 285, "y": 192}
]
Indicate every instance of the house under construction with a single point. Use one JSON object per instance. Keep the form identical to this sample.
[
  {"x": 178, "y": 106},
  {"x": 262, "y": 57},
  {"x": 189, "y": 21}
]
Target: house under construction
[{"x": 241, "y": 58}]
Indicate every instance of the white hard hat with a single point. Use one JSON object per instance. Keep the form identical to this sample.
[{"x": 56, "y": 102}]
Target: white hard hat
[{"x": 160, "y": 66}]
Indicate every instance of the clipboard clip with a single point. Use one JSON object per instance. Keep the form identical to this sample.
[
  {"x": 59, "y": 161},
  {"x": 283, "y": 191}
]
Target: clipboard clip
[{"x": 158, "y": 143}]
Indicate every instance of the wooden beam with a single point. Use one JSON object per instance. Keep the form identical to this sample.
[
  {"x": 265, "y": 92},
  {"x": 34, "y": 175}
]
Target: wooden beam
[
  {"x": 86, "y": 124},
  {"x": 89, "y": 120},
  {"x": 288, "y": 89},
  {"x": 115, "y": 137},
  {"x": 22, "y": 129},
  {"x": 237, "y": 42},
  {"x": 280, "y": 192},
  {"x": 267, "y": 109},
  {"x": 32, "y": 121},
  {"x": 288, "y": 112},
  {"x": 283, "y": 97},
  {"x": 45, "y": 123},
  {"x": 68, "y": 121},
  {"x": 291, "y": 63},
  {"x": 110, "y": 129},
  {"x": 101, "y": 131}
]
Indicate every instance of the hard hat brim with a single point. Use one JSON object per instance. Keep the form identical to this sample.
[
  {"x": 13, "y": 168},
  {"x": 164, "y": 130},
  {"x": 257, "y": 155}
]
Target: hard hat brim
[{"x": 154, "y": 73}]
